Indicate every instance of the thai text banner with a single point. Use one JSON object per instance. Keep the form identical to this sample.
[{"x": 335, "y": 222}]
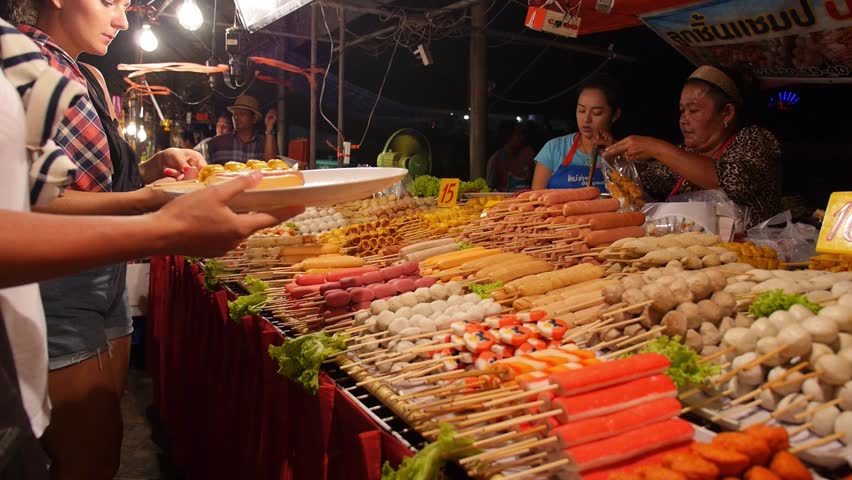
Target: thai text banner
[{"x": 776, "y": 38}]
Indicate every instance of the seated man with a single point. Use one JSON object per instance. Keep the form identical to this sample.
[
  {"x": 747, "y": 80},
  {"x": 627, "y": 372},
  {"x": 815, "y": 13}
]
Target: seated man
[{"x": 244, "y": 143}]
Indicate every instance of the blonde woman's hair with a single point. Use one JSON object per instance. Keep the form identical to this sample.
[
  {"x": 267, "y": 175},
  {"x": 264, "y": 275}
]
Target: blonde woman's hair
[{"x": 23, "y": 12}]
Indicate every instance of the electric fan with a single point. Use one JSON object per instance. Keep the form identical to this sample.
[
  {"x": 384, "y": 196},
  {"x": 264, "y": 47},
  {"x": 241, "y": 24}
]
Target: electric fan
[{"x": 407, "y": 148}]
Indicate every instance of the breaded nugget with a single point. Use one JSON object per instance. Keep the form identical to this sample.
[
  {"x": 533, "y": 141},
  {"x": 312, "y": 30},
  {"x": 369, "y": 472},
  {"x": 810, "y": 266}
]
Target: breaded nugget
[
  {"x": 730, "y": 462},
  {"x": 760, "y": 473},
  {"x": 691, "y": 466},
  {"x": 776, "y": 438},
  {"x": 656, "y": 472},
  {"x": 789, "y": 467},
  {"x": 753, "y": 447}
]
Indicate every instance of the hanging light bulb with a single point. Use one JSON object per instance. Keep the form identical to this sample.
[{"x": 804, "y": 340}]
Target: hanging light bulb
[
  {"x": 131, "y": 129},
  {"x": 147, "y": 40},
  {"x": 142, "y": 135},
  {"x": 189, "y": 15}
]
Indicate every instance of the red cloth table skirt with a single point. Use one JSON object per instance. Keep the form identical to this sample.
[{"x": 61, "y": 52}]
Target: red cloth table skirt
[{"x": 227, "y": 413}]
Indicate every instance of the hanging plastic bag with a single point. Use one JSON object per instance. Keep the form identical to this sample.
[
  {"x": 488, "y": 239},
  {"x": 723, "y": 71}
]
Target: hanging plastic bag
[
  {"x": 794, "y": 242},
  {"x": 623, "y": 183}
]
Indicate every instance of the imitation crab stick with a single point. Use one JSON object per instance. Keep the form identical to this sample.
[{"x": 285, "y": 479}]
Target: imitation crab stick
[
  {"x": 610, "y": 373},
  {"x": 630, "y": 444},
  {"x": 612, "y": 399},
  {"x": 597, "y": 428}
]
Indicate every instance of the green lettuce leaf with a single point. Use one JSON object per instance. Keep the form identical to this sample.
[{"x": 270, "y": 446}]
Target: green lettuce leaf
[
  {"x": 427, "y": 463},
  {"x": 768, "y": 302},
  {"x": 251, "y": 304},
  {"x": 685, "y": 369},
  {"x": 300, "y": 359},
  {"x": 484, "y": 291},
  {"x": 212, "y": 270}
]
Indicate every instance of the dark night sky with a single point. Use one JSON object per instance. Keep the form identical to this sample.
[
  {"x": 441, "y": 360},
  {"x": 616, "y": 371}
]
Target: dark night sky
[{"x": 816, "y": 136}]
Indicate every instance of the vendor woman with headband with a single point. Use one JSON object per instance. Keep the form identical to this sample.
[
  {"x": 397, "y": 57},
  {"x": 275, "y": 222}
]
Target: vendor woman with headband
[{"x": 718, "y": 152}]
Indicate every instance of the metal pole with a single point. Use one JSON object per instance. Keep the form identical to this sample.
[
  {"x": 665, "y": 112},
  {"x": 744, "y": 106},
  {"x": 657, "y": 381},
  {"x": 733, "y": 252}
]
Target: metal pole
[
  {"x": 312, "y": 147},
  {"x": 282, "y": 104},
  {"x": 341, "y": 25},
  {"x": 478, "y": 88}
]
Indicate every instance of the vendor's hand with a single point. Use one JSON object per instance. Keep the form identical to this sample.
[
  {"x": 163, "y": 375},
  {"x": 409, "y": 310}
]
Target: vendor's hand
[
  {"x": 636, "y": 148},
  {"x": 178, "y": 163},
  {"x": 201, "y": 224},
  {"x": 271, "y": 119}
]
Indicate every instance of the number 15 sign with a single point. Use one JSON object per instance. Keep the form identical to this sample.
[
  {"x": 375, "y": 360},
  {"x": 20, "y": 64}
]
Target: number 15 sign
[
  {"x": 448, "y": 192},
  {"x": 836, "y": 233}
]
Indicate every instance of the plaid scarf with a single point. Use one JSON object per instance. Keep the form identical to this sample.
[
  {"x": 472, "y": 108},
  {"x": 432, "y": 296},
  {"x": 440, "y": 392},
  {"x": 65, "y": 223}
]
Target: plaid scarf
[
  {"x": 46, "y": 95},
  {"x": 81, "y": 133}
]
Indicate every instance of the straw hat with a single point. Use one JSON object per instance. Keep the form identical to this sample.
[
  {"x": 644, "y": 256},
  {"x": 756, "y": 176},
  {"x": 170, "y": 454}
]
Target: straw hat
[{"x": 246, "y": 102}]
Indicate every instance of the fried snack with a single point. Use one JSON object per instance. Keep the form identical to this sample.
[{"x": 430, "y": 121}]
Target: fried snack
[
  {"x": 760, "y": 473},
  {"x": 789, "y": 467},
  {"x": 656, "y": 472},
  {"x": 625, "y": 190},
  {"x": 691, "y": 466},
  {"x": 755, "y": 448},
  {"x": 730, "y": 462},
  {"x": 776, "y": 438}
]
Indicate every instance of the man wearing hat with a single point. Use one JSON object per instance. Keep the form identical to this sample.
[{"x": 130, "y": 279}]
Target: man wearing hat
[{"x": 244, "y": 143}]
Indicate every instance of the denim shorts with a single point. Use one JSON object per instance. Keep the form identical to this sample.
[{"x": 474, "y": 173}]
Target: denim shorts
[{"x": 84, "y": 312}]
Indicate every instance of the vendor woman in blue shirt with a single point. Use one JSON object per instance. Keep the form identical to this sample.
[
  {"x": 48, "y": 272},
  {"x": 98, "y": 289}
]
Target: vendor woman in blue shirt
[{"x": 564, "y": 162}]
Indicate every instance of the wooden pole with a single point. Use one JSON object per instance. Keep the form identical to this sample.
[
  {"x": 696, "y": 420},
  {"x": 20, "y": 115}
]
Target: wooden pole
[
  {"x": 341, "y": 87},
  {"x": 478, "y": 88},
  {"x": 281, "y": 94},
  {"x": 312, "y": 147}
]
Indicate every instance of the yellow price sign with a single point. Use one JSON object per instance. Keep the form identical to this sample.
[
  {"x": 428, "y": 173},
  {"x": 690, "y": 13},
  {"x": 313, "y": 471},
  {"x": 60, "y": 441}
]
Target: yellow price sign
[
  {"x": 448, "y": 192},
  {"x": 836, "y": 233}
]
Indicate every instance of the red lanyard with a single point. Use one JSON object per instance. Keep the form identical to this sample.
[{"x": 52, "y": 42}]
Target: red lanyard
[
  {"x": 570, "y": 156},
  {"x": 716, "y": 158}
]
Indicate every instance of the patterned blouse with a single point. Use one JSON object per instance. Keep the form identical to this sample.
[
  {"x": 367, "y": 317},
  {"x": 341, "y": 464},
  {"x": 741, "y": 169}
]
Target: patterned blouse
[
  {"x": 81, "y": 133},
  {"x": 749, "y": 173}
]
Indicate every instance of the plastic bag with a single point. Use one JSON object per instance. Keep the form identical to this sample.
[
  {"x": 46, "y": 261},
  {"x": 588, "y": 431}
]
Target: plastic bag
[
  {"x": 794, "y": 242},
  {"x": 623, "y": 183}
]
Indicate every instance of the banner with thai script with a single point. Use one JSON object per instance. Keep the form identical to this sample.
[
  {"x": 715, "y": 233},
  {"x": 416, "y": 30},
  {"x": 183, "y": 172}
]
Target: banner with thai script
[{"x": 795, "y": 39}]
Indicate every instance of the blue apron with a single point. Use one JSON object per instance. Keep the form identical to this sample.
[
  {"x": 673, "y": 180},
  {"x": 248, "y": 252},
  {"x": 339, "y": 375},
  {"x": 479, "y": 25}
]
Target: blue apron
[{"x": 575, "y": 176}]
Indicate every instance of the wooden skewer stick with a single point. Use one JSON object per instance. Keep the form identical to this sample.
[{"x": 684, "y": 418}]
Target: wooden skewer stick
[
  {"x": 474, "y": 418},
  {"x": 768, "y": 385},
  {"x": 508, "y": 436},
  {"x": 467, "y": 399},
  {"x": 801, "y": 428},
  {"x": 732, "y": 411},
  {"x": 522, "y": 394},
  {"x": 796, "y": 380},
  {"x": 541, "y": 468},
  {"x": 811, "y": 411},
  {"x": 716, "y": 355},
  {"x": 650, "y": 333},
  {"x": 508, "y": 451},
  {"x": 795, "y": 404},
  {"x": 757, "y": 361},
  {"x": 520, "y": 462},
  {"x": 438, "y": 391},
  {"x": 621, "y": 352},
  {"x": 817, "y": 443},
  {"x": 626, "y": 308},
  {"x": 706, "y": 401},
  {"x": 509, "y": 423}
]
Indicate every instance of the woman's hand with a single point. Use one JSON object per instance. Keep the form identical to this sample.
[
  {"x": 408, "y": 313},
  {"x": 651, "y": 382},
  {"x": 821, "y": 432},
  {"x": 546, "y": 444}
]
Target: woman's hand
[
  {"x": 178, "y": 163},
  {"x": 201, "y": 224},
  {"x": 636, "y": 148}
]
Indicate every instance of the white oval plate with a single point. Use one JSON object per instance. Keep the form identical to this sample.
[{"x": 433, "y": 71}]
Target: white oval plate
[{"x": 322, "y": 187}]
